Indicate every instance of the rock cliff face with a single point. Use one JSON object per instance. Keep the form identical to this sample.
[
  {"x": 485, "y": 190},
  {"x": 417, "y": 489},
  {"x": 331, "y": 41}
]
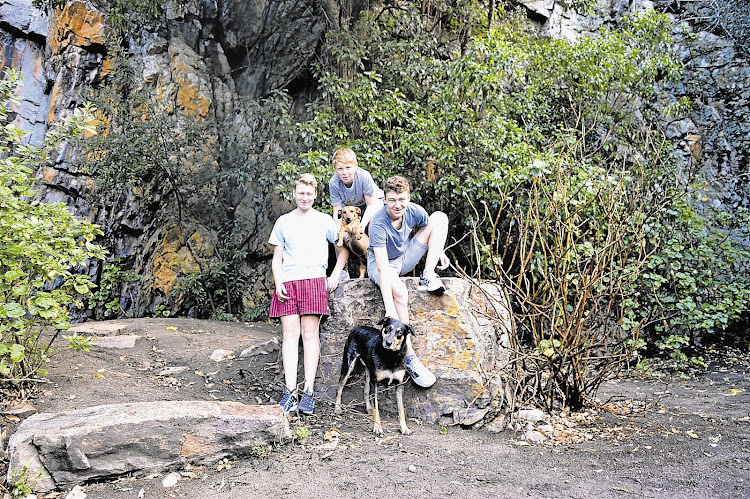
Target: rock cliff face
[
  {"x": 716, "y": 135},
  {"x": 204, "y": 58},
  {"x": 201, "y": 59}
]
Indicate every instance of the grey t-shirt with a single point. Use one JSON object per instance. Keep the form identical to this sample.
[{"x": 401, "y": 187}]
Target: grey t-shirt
[
  {"x": 383, "y": 233},
  {"x": 363, "y": 185}
]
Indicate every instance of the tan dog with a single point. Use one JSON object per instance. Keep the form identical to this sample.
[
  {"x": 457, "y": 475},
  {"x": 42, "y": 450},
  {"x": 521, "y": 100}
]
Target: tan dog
[{"x": 358, "y": 241}]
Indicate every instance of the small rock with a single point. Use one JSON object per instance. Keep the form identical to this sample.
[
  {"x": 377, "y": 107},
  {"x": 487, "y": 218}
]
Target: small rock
[
  {"x": 497, "y": 425},
  {"x": 169, "y": 371},
  {"x": 22, "y": 410},
  {"x": 412, "y": 468},
  {"x": 469, "y": 416},
  {"x": 269, "y": 346},
  {"x": 122, "y": 341},
  {"x": 220, "y": 354},
  {"x": 76, "y": 493},
  {"x": 534, "y": 436},
  {"x": 547, "y": 429},
  {"x": 99, "y": 328},
  {"x": 170, "y": 480},
  {"x": 531, "y": 415}
]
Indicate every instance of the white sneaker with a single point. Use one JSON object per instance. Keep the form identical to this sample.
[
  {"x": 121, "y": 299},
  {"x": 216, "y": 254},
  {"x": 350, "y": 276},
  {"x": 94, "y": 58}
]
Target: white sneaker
[
  {"x": 431, "y": 283},
  {"x": 419, "y": 373}
]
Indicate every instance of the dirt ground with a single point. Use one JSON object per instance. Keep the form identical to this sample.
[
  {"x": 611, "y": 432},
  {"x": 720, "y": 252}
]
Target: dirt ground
[{"x": 665, "y": 436}]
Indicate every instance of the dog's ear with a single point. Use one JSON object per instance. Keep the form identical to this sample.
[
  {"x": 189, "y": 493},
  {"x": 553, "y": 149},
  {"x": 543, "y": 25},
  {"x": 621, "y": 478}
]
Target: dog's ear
[
  {"x": 411, "y": 330},
  {"x": 359, "y": 211},
  {"x": 383, "y": 320},
  {"x": 338, "y": 213}
]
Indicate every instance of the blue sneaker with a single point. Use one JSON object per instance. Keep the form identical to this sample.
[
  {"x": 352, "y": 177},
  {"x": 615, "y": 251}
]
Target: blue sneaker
[
  {"x": 307, "y": 404},
  {"x": 288, "y": 402}
]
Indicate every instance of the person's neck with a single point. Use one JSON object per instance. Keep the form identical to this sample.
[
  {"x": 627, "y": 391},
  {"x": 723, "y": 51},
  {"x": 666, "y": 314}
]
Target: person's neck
[{"x": 301, "y": 213}]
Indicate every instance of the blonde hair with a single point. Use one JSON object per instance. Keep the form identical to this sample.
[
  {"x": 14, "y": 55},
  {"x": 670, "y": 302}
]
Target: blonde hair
[
  {"x": 396, "y": 184},
  {"x": 306, "y": 179},
  {"x": 344, "y": 155}
]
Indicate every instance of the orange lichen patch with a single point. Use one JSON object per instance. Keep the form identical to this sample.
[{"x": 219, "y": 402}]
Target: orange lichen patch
[
  {"x": 694, "y": 144},
  {"x": 107, "y": 67},
  {"x": 191, "y": 94},
  {"x": 190, "y": 99},
  {"x": 76, "y": 25},
  {"x": 54, "y": 98},
  {"x": 172, "y": 258},
  {"x": 448, "y": 336},
  {"x": 48, "y": 174}
]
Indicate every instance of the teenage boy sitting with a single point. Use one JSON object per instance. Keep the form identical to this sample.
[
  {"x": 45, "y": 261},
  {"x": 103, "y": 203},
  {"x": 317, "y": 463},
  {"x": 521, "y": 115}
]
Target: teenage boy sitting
[{"x": 394, "y": 252}]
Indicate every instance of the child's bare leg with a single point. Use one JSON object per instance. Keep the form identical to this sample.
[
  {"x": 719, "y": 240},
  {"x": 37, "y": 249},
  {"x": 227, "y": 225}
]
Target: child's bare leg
[
  {"x": 311, "y": 348},
  {"x": 290, "y": 332}
]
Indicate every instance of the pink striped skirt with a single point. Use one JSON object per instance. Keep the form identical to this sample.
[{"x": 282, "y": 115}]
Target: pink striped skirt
[{"x": 306, "y": 297}]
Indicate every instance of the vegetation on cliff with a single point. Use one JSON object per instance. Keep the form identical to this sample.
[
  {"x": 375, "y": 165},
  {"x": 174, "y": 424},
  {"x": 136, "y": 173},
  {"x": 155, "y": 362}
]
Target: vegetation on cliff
[
  {"x": 41, "y": 245},
  {"x": 546, "y": 154},
  {"x": 548, "y": 157}
]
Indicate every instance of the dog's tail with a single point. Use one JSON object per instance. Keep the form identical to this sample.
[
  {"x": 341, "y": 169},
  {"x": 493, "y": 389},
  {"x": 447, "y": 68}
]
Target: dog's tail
[{"x": 351, "y": 355}]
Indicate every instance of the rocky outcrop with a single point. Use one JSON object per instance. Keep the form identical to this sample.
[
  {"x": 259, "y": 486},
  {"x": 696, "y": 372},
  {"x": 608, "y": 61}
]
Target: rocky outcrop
[
  {"x": 72, "y": 447},
  {"x": 461, "y": 336},
  {"x": 203, "y": 60},
  {"x": 209, "y": 59},
  {"x": 715, "y": 136}
]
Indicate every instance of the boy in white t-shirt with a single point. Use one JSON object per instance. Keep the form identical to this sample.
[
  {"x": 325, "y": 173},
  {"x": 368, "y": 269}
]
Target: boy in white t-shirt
[{"x": 300, "y": 258}]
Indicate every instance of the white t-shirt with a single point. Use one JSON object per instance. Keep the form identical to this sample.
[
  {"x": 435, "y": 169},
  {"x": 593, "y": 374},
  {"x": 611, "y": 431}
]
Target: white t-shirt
[{"x": 305, "y": 240}]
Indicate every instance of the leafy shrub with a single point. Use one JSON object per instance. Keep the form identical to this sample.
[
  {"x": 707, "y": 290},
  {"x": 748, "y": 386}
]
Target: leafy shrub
[
  {"x": 108, "y": 292},
  {"x": 40, "y": 246},
  {"x": 546, "y": 155}
]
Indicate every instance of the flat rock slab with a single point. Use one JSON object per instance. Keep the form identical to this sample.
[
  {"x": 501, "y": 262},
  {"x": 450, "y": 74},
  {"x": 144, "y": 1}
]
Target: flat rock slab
[
  {"x": 108, "y": 328},
  {"x": 123, "y": 341},
  {"x": 106, "y": 441}
]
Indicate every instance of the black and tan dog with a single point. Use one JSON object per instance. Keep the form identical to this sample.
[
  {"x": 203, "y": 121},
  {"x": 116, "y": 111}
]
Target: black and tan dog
[
  {"x": 383, "y": 353},
  {"x": 358, "y": 241}
]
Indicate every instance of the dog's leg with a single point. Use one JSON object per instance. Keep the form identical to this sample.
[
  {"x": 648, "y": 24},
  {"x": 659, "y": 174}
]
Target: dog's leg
[
  {"x": 342, "y": 381},
  {"x": 377, "y": 427},
  {"x": 368, "y": 407},
  {"x": 340, "y": 241},
  {"x": 362, "y": 270},
  {"x": 401, "y": 414}
]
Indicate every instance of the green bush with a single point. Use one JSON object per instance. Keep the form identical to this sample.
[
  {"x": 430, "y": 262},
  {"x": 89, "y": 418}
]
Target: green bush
[
  {"x": 41, "y": 245},
  {"x": 108, "y": 294},
  {"x": 547, "y": 156}
]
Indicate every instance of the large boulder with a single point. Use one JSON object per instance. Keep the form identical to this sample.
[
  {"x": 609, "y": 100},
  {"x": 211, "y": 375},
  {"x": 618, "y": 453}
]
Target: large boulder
[
  {"x": 462, "y": 336},
  {"x": 104, "y": 441}
]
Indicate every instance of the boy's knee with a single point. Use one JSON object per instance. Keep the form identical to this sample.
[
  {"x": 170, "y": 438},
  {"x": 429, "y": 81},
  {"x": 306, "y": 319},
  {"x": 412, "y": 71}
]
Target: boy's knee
[
  {"x": 399, "y": 289},
  {"x": 439, "y": 218}
]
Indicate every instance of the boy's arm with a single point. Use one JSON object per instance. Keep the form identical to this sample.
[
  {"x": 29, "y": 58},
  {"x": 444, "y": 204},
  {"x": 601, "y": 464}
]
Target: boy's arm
[
  {"x": 386, "y": 288},
  {"x": 278, "y": 253},
  {"x": 342, "y": 254},
  {"x": 373, "y": 205}
]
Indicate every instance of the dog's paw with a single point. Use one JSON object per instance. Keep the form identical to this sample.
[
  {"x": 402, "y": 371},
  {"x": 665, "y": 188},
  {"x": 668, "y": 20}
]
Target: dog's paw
[
  {"x": 378, "y": 430},
  {"x": 338, "y": 409},
  {"x": 405, "y": 430}
]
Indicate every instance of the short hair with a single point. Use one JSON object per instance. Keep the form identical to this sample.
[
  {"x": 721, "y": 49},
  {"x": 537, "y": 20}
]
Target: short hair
[
  {"x": 344, "y": 155},
  {"x": 396, "y": 184},
  {"x": 306, "y": 179}
]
